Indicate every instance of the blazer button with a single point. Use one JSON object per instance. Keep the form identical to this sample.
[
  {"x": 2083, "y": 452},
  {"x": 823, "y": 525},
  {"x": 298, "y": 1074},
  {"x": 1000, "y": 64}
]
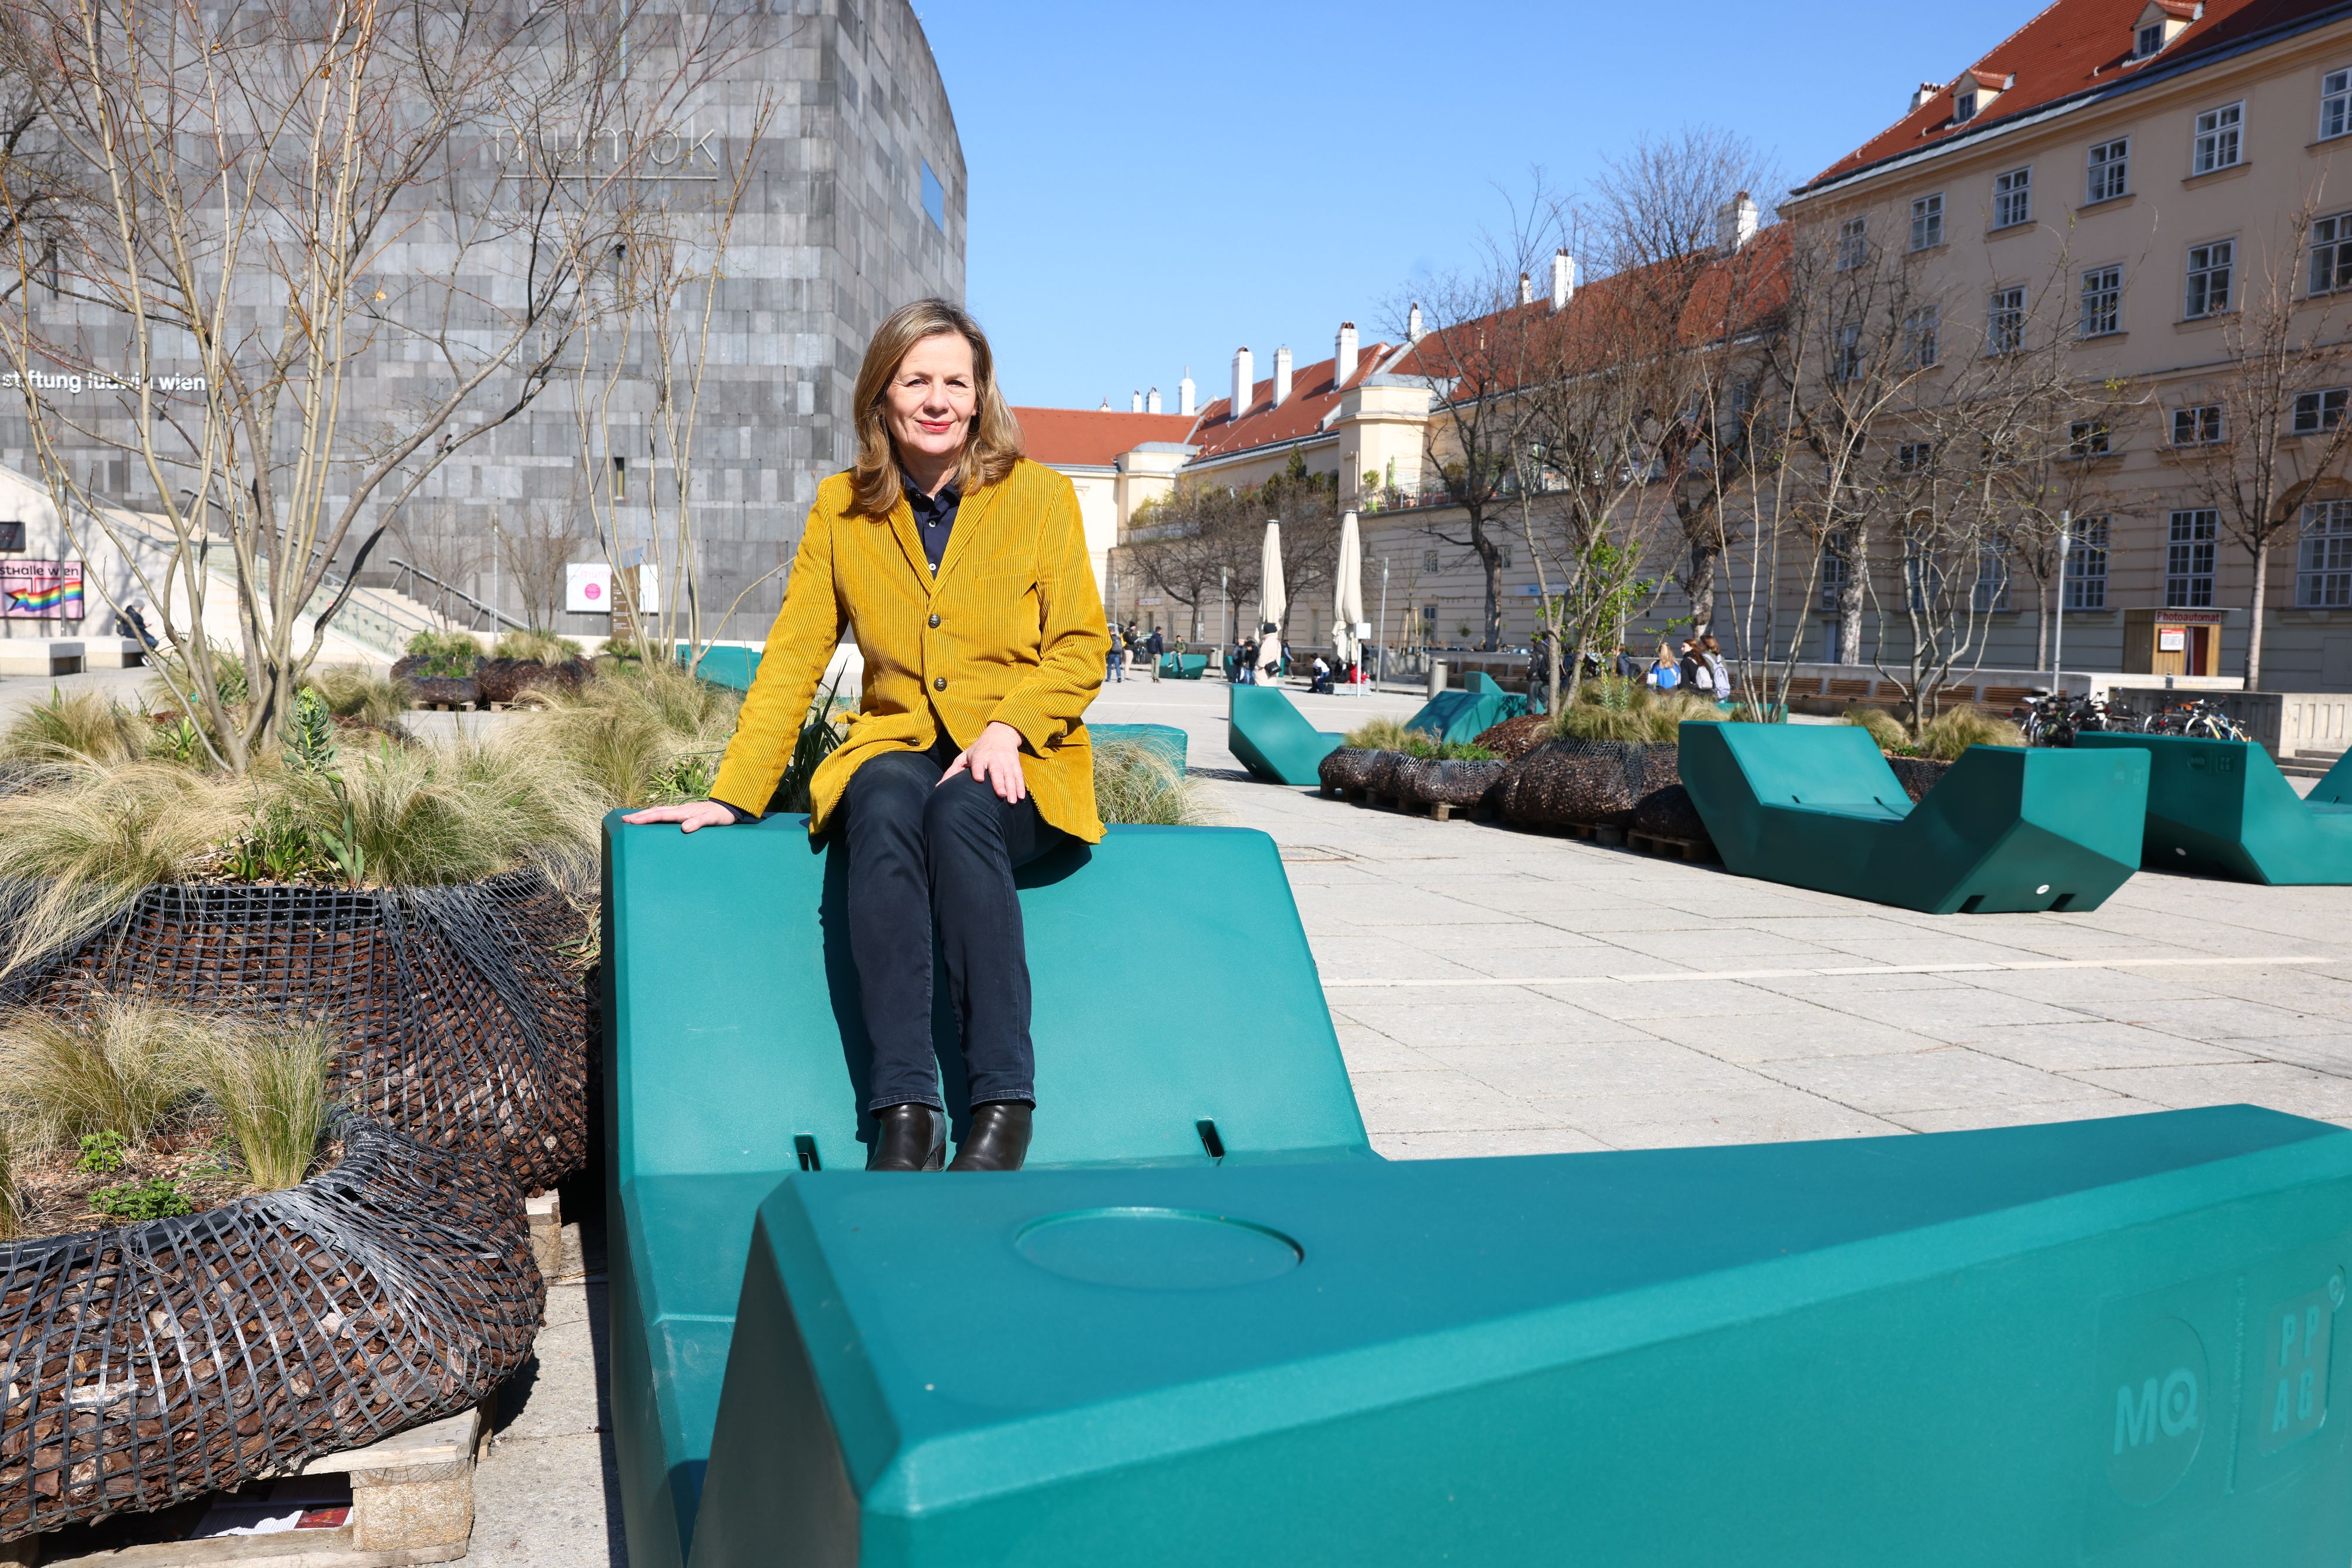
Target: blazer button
[
  {"x": 938, "y": 683},
  {"x": 935, "y": 619}
]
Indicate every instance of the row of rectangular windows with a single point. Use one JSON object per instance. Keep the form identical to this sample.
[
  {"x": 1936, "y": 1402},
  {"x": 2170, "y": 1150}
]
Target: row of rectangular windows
[
  {"x": 2218, "y": 143},
  {"x": 2211, "y": 290},
  {"x": 2322, "y": 577}
]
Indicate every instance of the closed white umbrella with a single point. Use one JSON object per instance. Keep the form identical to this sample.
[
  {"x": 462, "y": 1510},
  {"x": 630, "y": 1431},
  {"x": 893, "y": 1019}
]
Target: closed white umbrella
[
  {"x": 1347, "y": 593},
  {"x": 1271, "y": 603}
]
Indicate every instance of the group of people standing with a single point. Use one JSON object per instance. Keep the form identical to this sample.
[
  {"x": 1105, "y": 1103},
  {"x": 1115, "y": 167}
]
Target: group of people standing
[{"x": 1126, "y": 644}]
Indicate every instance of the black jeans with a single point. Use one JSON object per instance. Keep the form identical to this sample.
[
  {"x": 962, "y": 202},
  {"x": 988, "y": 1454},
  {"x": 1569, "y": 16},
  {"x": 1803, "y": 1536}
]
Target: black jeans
[{"x": 922, "y": 852}]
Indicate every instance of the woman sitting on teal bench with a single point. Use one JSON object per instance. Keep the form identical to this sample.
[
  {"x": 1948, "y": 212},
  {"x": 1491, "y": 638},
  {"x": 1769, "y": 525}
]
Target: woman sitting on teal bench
[{"x": 960, "y": 568}]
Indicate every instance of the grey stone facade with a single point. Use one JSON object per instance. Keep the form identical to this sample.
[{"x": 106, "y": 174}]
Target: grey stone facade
[{"x": 856, "y": 206}]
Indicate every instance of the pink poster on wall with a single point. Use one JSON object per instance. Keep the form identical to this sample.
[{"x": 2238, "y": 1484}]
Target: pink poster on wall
[{"x": 40, "y": 590}]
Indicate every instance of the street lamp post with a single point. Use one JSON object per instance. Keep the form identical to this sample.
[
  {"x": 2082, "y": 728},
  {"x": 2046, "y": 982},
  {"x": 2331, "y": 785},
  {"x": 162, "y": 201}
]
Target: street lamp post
[
  {"x": 1224, "y": 619},
  {"x": 1382, "y": 672},
  {"x": 2058, "y": 629}
]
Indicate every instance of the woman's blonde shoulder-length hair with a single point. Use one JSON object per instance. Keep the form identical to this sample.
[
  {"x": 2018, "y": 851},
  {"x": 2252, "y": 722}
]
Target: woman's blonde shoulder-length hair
[{"x": 991, "y": 448}]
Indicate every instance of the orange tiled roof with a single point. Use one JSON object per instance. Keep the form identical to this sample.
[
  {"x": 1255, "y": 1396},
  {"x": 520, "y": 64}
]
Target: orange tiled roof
[
  {"x": 1094, "y": 437},
  {"x": 1312, "y": 395},
  {"x": 1731, "y": 294},
  {"x": 2074, "y": 48}
]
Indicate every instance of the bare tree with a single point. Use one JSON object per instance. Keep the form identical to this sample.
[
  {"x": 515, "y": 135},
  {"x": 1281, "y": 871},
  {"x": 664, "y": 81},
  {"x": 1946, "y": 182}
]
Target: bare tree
[
  {"x": 536, "y": 546},
  {"x": 1485, "y": 339},
  {"x": 2263, "y": 432},
  {"x": 284, "y": 196},
  {"x": 1675, "y": 223},
  {"x": 1195, "y": 543}
]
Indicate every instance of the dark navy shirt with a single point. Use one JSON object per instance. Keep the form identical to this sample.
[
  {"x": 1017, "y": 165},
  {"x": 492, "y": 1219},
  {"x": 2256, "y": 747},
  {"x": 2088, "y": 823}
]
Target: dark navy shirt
[{"x": 934, "y": 518}]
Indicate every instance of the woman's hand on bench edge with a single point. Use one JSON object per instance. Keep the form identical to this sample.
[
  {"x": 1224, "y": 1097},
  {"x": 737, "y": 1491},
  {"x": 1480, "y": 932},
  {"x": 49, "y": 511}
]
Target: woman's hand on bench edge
[{"x": 693, "y": 814}]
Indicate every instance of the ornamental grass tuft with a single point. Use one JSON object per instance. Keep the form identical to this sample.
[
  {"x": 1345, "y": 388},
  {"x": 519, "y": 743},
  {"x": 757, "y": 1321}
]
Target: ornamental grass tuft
[
  {"x": 1135, "y": 782},
  {"x": 627, "y": 732},
  {"x": 354, "y": 691},
  {"x": 269, "y": 1083},
  {"x": 1884, "y": 728},
  {"x": 126, "y": 1067},
  {"x": 85, "y": 727},
  {"x": 1956, "y": 729},
  {"x": 536, "y": 648},
  {"x": 1610, "y": 708}
]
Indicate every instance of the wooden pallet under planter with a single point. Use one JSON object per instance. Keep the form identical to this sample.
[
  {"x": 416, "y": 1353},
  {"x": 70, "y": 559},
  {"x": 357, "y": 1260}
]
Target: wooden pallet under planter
[
  {"x": 149, "y": 1364},
  {"x": 458, "y": 1016}
]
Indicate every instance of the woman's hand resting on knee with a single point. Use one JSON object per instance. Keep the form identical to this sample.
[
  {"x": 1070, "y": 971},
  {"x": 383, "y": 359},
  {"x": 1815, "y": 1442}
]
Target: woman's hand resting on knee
[
  {"x": 693, "y": 814},
  {"x": 994, "y": 759}
]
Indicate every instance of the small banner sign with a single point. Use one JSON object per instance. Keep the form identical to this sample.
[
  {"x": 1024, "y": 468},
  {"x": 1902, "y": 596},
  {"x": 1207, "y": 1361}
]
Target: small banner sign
[{"x": 40, "y": 590}]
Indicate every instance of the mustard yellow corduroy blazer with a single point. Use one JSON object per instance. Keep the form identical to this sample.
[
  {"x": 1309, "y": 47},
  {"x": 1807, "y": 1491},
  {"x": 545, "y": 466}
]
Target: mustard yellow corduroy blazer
[{"x": 1012, "y": 630}]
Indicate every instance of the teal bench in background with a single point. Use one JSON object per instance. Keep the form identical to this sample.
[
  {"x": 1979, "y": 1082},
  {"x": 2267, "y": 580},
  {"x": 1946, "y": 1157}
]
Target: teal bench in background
[
  {"x": 734, "y": 1055},
  {"x": 1183, "y": 666},
  {"x": 2104, "y": 1343},
  {"x": 1271, "y": 738},
  {"x": 1165, "y": 738},
  {"x": 2005, "y": 829},
  {"x": 1466, "y": 715},
  {"x": 724, "y": 666},
  {"x": 2221, "y": 807}
]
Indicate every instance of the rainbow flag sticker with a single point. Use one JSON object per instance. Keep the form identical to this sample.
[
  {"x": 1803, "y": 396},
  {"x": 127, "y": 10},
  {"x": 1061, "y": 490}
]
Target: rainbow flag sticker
[{"x": 40, "y": 590}]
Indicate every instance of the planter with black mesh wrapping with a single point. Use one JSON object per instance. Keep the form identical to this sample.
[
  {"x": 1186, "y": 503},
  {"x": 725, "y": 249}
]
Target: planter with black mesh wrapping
[
  {"x": 1448, "y": 786},
  {"x": 157, "y": 1361},
  {"x": 459, "y": 1011},
  {"x": 1584, "y": 783},
  {"x": 506, "y": 680},
  {"x": 1341, "y": 771}
]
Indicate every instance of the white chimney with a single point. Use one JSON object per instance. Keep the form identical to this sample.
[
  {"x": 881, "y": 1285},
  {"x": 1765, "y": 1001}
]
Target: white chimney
[
  {"x": 1563, "y": 279},
  {"x": 1735, "y": 222},
  {"x": 1244, "y": 381},
  {"x": 1152, "y": 401},
  {"x": 1282, "y": 375},
  {"x": 1925, "y": 95},
  {"x": 1135, "y": 403},
  {"x": 1344, "y": 356},
  {"x": 1184, "y": 393},
  {"x": 1413, "y": 323},
  {"x": 1527, "y": 290}
]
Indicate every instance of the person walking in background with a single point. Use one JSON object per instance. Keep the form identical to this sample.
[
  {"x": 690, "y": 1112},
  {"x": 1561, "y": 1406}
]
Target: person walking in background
[
  {"x": 1711, "y": 652},
  {"x": 1628, "y": 668},
  {"x": 1117, "y": 658},
  {"x": 1156, "y": 650}
]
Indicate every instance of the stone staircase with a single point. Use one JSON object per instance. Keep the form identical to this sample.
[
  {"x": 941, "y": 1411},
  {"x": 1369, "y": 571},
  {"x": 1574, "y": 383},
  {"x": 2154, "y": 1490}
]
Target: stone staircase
[
  {"x": 379, "y": 619},
  {"x": 2310, "y": 764}
]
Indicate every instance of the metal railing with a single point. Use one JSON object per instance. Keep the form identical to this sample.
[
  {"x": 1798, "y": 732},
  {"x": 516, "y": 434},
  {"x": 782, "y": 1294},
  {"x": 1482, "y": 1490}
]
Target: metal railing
[{"x": 443, "y": 592}]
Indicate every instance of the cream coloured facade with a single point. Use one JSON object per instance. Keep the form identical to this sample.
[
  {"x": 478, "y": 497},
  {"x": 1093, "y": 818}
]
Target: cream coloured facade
[{"x": 2141, "y": 211}]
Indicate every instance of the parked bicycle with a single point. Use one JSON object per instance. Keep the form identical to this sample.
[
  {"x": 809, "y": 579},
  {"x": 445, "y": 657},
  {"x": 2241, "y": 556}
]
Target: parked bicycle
[
  {"x": 2197, "y": 718},
  {"x": 2055, "y": 719}
]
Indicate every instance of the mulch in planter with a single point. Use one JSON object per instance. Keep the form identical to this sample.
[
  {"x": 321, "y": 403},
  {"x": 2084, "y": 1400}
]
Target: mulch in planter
[
  {"x": 457, "y": 1017},
  {"x": 506, "y": 679},
  {"x": 1917, "y": 775},
  {"x": 1460, "y": 784},
  {"x": 1515, "y": 737},
  {"x": 1585, "y": 783},
  {"x": 153, "y": 1363}
]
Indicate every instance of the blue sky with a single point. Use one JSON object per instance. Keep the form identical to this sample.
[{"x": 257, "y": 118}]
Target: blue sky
[{"x": 1153, "y": 186}]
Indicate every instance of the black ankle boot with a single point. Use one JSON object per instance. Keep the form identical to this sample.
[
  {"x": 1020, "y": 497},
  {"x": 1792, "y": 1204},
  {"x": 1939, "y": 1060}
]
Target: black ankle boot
[
  {"x": 910, "y": 1137},
  {"x": 998, "y": 1138}
]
